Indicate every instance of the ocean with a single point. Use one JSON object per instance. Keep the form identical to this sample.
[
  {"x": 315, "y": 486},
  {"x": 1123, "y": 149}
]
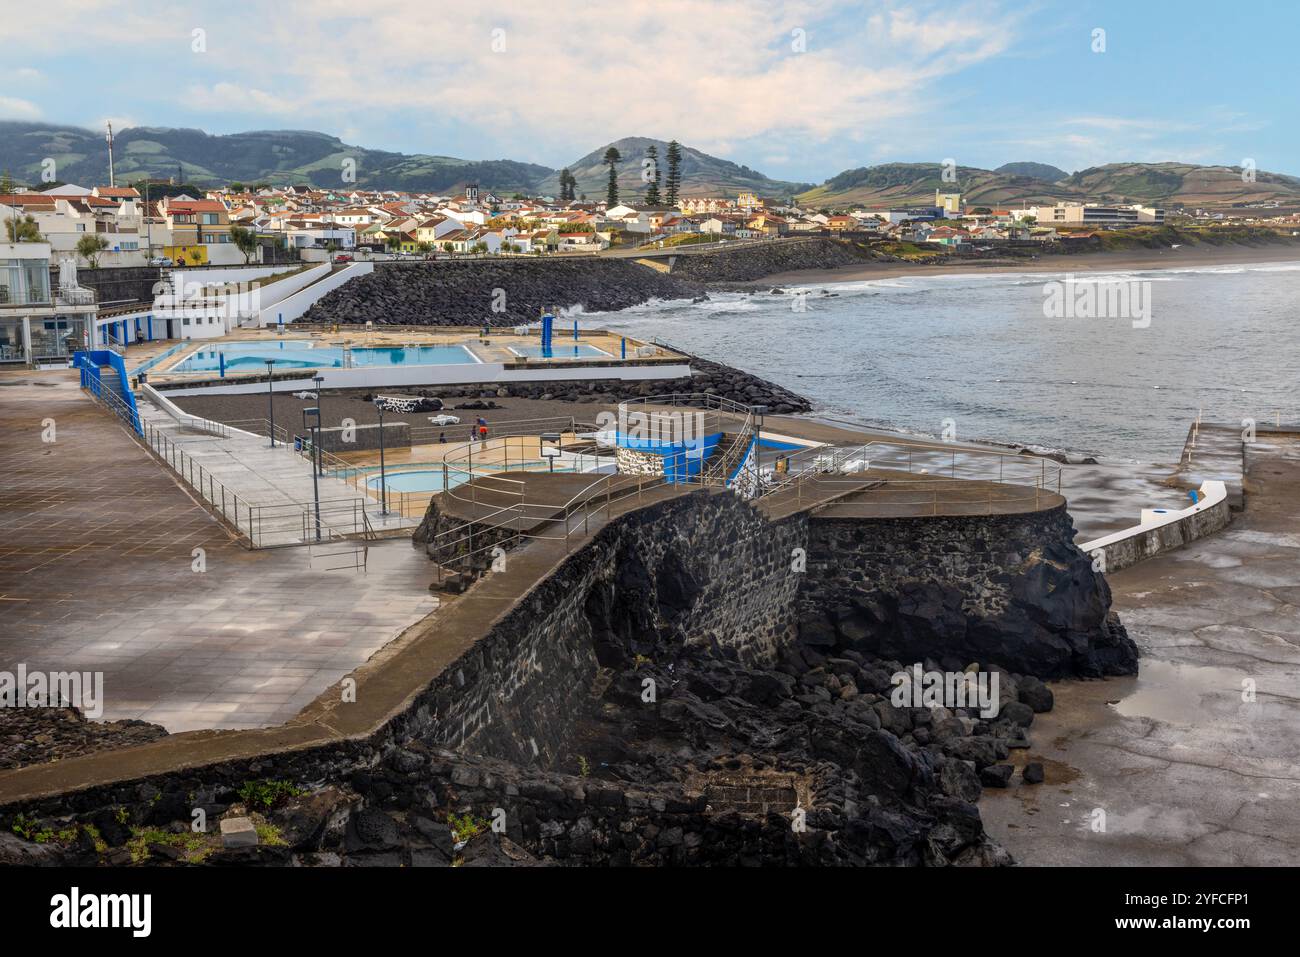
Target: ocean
[{"x": 976, "y": 354}]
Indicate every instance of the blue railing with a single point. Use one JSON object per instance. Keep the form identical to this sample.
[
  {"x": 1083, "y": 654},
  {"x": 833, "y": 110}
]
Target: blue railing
[{"x": 120, "y": 401}]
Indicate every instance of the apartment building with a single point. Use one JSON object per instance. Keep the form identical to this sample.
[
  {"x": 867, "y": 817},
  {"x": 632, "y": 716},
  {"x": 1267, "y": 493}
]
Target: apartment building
[{"x": 1094, "y": 214}]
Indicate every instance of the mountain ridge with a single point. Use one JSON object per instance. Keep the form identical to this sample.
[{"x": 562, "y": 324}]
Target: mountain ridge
[{"x": 311, "y": 157}]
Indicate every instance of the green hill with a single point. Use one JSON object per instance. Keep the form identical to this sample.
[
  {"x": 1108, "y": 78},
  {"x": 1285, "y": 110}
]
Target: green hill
[
  {"x": 280, "y": 157},
  {"x": 1048, "y": 174},
  {"x": 903, "y": 184}
]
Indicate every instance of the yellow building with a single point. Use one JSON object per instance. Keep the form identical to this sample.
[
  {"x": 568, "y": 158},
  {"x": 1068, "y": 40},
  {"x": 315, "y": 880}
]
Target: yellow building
[{"x": 951, "y": 202}]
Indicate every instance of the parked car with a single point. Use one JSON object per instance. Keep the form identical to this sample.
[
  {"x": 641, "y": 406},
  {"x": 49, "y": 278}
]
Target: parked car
[
  {"x": 343, "y": 258},
  {"x": 160, "y": 261},
  {"x": 444, "y": 420}
]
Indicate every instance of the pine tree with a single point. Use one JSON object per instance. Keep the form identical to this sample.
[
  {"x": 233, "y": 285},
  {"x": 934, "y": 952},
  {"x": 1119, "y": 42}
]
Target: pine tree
[
  {"x": 674, "y": 178},
  {"x": 612, "y": 156},
  {"x": 652, "y": 168}
]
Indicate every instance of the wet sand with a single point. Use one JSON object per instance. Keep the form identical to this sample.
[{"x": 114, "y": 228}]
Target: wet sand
[{"x": 1193, "y": 257}]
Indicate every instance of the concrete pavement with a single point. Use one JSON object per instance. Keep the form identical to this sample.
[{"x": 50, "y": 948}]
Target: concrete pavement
[{"x": 1196, "y": 761}]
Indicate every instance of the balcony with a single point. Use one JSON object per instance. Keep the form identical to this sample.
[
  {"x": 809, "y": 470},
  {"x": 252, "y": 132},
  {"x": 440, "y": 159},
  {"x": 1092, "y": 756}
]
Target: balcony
[
  {"x": 23, "y": 297},
  {"x": 76, "y": 296}
]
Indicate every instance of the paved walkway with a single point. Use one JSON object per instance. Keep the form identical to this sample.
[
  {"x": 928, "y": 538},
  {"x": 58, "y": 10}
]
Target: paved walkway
[
  {"x": 97, "y": 572},
  {"x": 1186, "y": 770},
  {"x": 275, "y": 482}
]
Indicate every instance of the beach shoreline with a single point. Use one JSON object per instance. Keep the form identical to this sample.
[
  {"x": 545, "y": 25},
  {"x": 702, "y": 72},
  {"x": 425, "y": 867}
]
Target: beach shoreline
[{"x": 1077, "y": 263}]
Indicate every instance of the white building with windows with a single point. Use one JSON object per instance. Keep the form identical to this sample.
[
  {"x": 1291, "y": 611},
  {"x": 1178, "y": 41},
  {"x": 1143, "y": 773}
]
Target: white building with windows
[{"x": 39, "y": 323}]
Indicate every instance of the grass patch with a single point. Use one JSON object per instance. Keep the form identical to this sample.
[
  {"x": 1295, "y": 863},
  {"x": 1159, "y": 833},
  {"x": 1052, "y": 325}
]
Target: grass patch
[
  {"x": 466, "y": 826},
  {"x": 267, "y": 794},
  {"x": 195, "y": 847}
]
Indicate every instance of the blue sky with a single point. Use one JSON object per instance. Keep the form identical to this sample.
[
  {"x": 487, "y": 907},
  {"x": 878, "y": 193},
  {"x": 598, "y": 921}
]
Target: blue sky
[{"x": 800, "y": 89}]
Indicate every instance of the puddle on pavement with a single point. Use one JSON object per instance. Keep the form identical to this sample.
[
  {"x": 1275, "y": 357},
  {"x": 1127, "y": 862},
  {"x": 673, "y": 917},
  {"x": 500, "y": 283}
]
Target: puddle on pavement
[{"x": 1174, "y": 693}]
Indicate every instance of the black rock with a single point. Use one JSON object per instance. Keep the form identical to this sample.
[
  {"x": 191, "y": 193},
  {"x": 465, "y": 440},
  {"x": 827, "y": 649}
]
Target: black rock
[{"x": 996, "y": 775}]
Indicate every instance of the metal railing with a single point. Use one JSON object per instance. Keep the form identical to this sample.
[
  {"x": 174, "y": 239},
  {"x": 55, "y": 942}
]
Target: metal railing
[
  {"x": 94, "y": 384},
  {"x": 962, "y": 479},
  {"x": 260, "y": 525},
  {"x": 540, "y": 521}
]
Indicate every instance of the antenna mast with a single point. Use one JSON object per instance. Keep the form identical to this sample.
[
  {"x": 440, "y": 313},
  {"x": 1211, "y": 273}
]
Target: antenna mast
[{"x": 109, "y": 137}]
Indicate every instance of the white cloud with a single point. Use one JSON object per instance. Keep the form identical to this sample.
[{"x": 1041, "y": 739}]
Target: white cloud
[
  {"x": 570, "y": 76},
  {"x": 12, "y": 108}
]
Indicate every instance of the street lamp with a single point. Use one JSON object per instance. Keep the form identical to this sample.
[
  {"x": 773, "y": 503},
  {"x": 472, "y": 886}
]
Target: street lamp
[
  {"x": 318, "y": 379},
  {"x": 270, "y": 398},
  {"x": 383, "y": 481},
  {"x": 315, "y": 451}
]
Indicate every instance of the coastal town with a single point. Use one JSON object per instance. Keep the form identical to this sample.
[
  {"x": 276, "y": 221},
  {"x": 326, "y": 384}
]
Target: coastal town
[
  {"x": 121, "y": 226},
  {"x": 106, "y": 231},
  {"x": 770, "y": 436}
]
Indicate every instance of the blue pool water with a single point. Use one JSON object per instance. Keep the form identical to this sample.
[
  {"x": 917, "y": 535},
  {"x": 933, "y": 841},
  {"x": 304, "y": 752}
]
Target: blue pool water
[
  {"x": 424, "y": 480},
  {"x": 301, "y": 354},
  {"x": 561, "y": 351}
]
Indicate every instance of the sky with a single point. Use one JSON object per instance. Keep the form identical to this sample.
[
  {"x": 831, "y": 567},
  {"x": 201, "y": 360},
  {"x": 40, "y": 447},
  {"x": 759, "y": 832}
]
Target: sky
[{"x": 798, "y": 89}]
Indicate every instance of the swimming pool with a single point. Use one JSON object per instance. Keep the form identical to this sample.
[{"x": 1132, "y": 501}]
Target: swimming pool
[
  {"x": 422, "y": 480},
  {"x": 561, "y": 351},
  {"x": 303, "y": 354}
]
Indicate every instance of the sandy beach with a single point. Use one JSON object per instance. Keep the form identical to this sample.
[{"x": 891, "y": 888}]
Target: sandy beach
[{"x": 1199, "y": 256}]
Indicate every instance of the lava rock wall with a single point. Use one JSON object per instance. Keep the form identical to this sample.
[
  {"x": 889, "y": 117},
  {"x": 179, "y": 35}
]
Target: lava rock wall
[
  {"x": 1011, "y": 589},
  {"x": 702, "y": 571}
]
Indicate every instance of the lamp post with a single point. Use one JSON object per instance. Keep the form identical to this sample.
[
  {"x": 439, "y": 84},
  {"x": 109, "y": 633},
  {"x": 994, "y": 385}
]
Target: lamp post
[
  {"x": 315, "y": 451},
  {"x": 383, "y": 481},
  {"x": 318, "y": 379},
  {"x": 270, "y": 399}
]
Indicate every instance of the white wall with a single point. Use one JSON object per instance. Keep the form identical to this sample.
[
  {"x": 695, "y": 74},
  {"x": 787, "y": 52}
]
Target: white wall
[
  {"x": 248, "y": 273},
  {"x": 294, "y": 306},
  {"x": 459, "y": 374}
]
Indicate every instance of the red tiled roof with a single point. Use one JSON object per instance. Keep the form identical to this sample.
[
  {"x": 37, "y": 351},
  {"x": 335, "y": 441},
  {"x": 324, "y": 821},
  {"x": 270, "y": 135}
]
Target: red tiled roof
[{"x": 196, "y": 206}]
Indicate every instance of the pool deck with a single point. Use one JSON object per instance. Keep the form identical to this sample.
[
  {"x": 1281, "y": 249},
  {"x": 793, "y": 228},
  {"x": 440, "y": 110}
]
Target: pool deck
[{"x": 493, "y": 348}]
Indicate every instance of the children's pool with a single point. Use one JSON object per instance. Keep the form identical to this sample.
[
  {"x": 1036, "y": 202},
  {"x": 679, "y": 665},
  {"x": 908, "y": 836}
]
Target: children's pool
[{"x": 303, "y": 354}]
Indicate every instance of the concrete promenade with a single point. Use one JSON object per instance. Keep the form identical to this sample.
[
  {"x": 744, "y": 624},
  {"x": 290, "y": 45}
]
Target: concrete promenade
[{"x": 98, "y": 572}]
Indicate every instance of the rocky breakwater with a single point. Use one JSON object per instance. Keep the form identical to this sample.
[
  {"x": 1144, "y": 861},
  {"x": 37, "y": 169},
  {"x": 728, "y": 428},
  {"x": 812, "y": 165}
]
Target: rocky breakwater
[
  {"x": 712, "y": 378},
  {"x": 497, "y": 292},
  {"x": 752, "y": 262}
]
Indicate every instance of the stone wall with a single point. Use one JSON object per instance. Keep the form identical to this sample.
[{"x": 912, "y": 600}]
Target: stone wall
[
  {"x": 1010, "y": 589},
  {"x": 751, "y": 262},
  {"x": 365, "y": 437},
  {"x": 705, "y": 570},
  {"x": 632, "y": 462}
]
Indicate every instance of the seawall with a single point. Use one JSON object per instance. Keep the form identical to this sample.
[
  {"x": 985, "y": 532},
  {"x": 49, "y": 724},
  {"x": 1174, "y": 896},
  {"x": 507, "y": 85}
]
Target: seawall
[{"x": 702, "y": 599}]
